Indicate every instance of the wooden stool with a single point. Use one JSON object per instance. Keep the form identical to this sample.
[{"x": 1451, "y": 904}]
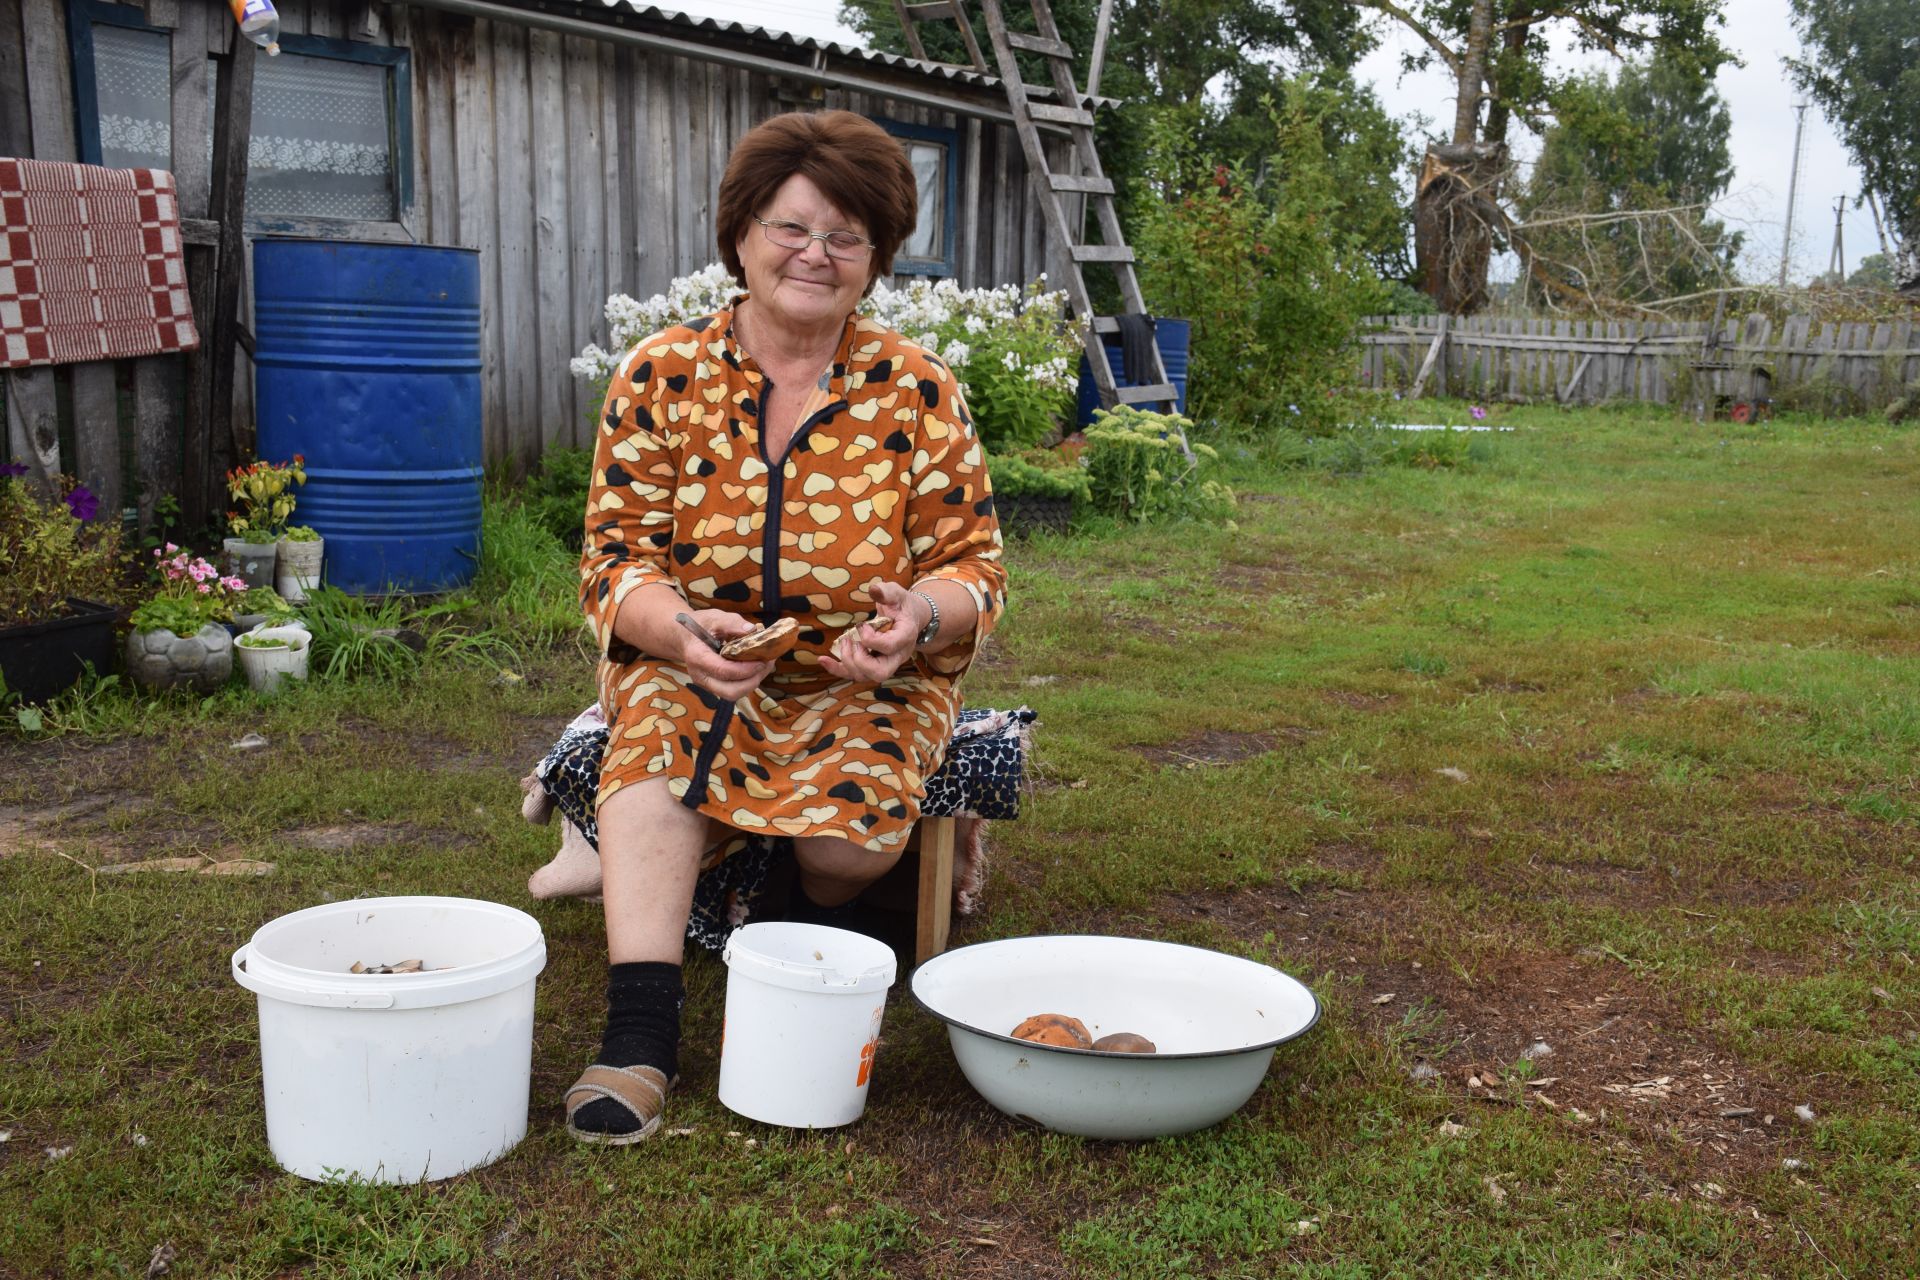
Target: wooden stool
[{"x": 933, "y": 913}]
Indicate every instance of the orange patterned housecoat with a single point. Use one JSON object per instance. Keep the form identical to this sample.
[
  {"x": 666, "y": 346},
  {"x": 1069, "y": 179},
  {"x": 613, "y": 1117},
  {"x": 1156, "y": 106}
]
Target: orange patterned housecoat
[{"x": 886, "y": 481}]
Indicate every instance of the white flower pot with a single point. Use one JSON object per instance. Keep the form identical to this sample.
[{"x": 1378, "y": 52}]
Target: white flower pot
[
  {"x": 266, "y": 668},
  {"x": 298, "y": 570}
]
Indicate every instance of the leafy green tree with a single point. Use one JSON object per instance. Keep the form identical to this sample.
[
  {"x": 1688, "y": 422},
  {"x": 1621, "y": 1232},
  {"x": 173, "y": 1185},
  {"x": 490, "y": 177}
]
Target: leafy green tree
[
  {"x": 1616, "y": 204},
  {"x": 1861, "y": 62},
  {"x": 1874, "y": 272},
  {"x": 1498, "y": 52}
]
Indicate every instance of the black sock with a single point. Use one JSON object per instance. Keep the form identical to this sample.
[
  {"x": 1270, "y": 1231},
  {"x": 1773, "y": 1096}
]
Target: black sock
[
  {"x": 802, "y": 909},
  {"x": 643, "y": 1029}
]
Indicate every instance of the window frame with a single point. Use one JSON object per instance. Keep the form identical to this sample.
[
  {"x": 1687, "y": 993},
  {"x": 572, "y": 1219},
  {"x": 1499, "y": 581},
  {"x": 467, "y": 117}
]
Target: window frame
[
  {"x": 397, "y": 59},
  {"x": 944, "y": 265},
  {"x": 81, "y": 17}
]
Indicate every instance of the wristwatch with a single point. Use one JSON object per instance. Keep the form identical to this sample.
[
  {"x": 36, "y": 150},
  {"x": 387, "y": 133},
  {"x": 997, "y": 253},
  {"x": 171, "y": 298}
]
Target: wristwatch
[{"x": 932, "y": 628}]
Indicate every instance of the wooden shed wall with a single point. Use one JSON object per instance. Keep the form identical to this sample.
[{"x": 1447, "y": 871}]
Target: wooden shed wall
[{"x": 578, "y": 167}]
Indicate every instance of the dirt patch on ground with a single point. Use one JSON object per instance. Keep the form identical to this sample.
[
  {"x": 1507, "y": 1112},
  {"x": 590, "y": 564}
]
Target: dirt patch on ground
[
  {"x": 1212, "y": 748},
  {"x": 349, "y": 837},
  {"x": 1357, "y": 701},
  {"x": 1503, "y": 1022}
]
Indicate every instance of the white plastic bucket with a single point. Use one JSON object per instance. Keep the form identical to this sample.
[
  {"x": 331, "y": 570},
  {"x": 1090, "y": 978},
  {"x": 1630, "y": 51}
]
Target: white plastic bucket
[
  {"x": 804, "y": 1004},
  {"x": 406, "y": 1077}
]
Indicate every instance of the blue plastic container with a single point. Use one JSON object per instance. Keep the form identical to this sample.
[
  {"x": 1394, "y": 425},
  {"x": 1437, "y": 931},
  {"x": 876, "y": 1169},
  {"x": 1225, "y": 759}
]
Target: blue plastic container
[
  {"x": 1173, "y": 337},
  {"x": 368, "y": 364}
]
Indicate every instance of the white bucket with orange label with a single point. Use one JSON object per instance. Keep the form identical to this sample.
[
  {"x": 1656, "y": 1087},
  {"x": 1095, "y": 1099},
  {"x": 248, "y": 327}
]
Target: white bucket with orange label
[{"x": 804, "y": 1004}]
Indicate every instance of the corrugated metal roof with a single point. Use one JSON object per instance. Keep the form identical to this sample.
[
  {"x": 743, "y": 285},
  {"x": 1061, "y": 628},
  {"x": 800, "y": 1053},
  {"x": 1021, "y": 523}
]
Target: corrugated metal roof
[{"x": 873, "y": 57}]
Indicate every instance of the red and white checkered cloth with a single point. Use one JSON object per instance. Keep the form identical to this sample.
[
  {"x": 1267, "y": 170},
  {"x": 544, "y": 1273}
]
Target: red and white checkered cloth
[{"x": 93, "y": 268}]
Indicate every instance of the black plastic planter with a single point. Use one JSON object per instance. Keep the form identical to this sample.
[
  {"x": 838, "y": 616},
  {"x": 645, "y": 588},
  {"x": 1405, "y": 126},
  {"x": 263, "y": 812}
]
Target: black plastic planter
[{"x": 41, "y": 660}]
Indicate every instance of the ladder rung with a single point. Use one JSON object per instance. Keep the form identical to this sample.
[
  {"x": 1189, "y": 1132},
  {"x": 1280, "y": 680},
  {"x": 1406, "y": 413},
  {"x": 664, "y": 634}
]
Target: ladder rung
[
  {"x": 1040, "y": 44},
  {"x": 930, "y": 12},
  {"x": 1165, "y": 391},
  {"x": 1059, "y": 115},
  {"x": 1080, "y": 182},
  {"x": 1102, "y": 253}
]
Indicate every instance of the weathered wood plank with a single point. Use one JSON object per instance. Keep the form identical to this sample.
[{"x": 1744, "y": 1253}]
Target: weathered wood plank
[
  {"x": 192, "y": 172},
  {"x": 436, "y": 159},
  {"x": 49, "y": 79},
  {"x": 657, "y": 174},
  {"x": 971, "y": 211},
  {"x": 616, "y": 173},
  {"x": 588, "y": 159},
  {"x": 156, "y": 430},
  {"x": 519, "y": 274},
  {"x": 232, "y": 130},
  {"x": 96, "y": 432},
  {"x": 693, "y": 159},
  {"x": 327, "y": 18},
  {"x": 552, "y": 197},
  {"x": 293, "y": 16},
  {"x": 470, "y": 45},
  {"x": 16, "y": 123},
  {"x": 33, "y": 420}
]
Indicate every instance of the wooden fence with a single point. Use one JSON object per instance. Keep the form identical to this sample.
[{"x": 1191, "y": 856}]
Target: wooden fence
[{"x": 1840, "y": 367}]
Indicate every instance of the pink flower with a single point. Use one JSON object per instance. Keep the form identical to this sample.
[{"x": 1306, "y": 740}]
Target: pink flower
[
  {"x": 234, "y": 584},
  {"x": 171, "y": 548},
  {"x": 205, "y": 589}
]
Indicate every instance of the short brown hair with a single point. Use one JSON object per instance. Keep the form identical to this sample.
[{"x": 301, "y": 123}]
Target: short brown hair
[{"x": 856, "y": 164}]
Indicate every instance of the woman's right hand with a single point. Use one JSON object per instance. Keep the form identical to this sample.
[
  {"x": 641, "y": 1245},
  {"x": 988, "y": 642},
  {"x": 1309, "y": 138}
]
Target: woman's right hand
[{"x": 720, "y": 676}]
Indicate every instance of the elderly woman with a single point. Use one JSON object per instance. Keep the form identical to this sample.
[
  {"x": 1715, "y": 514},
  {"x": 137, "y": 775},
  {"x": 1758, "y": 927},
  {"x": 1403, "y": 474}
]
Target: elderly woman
[{"x": 782, "y": 458}]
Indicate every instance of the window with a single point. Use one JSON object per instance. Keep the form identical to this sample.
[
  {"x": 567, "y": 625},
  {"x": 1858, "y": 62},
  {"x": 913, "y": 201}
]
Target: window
[
  {"x": 326, "y": 134},
  {"x": 332, "y": 121},
  {"x": 933, "y": 153}
]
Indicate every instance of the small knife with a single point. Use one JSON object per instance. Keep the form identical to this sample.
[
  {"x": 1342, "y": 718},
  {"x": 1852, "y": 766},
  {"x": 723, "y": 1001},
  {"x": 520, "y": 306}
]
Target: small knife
[{"x": 706, "y": 638}]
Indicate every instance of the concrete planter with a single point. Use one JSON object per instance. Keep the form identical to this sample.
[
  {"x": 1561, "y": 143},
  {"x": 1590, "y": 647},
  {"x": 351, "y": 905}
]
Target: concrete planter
[
  {"x": 162, "y": 660},
  {"x": 298, "y": 569}
]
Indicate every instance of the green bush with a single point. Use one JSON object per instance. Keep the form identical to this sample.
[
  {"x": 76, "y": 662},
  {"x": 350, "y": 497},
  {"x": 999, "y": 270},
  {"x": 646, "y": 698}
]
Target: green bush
[
  {"x": 1138, "y": 470},
  {"x": 555, "y": 495},
  {"x": 1020, "y": 477},
  {"x": 1263, "y": 268}
]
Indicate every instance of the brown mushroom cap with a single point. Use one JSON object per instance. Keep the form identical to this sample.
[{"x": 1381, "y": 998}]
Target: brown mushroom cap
[
  {"x": 1125, "y": 1042},
  {"x": 1057, "y": 1029},
  {"x": 765, "y": 645}
]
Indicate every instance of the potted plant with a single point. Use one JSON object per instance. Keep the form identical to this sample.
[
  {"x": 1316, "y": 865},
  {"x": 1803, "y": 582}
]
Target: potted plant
[
  {"x": 258, "y": 607},
  {"x": 298, "y": 563},
  {"x": 177, "y": 639},
  {"x": 269, "y": 655},
  {"x": 59, "y": 579},
  {"x": 1037, "y": 490},
  {"x": 262, "y": 492}
]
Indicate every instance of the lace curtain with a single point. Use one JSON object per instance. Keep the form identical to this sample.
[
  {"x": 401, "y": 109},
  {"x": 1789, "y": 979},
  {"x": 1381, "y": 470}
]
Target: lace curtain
[
  {"x": 321, "y": 140},
  {"x": 134, "y": 72},
  {"x": 929, "y": 238},
  {"x": 320, "y": 145}
]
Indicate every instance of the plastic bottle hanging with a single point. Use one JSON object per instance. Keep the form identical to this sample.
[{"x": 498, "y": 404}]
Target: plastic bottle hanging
[{"x": 259, "y": 22}]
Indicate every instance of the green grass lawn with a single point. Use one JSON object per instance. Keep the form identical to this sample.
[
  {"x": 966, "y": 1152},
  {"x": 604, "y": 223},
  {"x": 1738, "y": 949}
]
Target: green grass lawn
[{"x": 1605, "y": 742}]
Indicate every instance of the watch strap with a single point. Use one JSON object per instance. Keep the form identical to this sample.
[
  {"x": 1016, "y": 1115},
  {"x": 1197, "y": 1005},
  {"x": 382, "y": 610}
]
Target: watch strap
[{"x": 932, "y": 628}]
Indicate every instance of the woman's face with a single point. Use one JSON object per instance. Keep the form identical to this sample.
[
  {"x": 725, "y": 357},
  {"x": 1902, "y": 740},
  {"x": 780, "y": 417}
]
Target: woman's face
[{"x": 802, "y": 289}]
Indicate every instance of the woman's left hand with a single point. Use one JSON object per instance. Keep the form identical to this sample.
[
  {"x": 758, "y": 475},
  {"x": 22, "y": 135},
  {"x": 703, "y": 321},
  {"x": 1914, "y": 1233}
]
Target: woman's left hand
[{"x": 871, "y": 654}]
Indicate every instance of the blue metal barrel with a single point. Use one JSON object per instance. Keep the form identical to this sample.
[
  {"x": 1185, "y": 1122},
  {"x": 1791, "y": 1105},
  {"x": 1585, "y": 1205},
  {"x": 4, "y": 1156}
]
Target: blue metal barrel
[
  {"x": 367, "y": 362},
  {"x": 1173, "y": 337}
]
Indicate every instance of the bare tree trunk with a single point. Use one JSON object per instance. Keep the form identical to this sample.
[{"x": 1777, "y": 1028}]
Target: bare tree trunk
[
  {"x": 1515, "y": 44},
  {"x": 1456, "y": 219},
  {"x": 1473, "y": 72}
]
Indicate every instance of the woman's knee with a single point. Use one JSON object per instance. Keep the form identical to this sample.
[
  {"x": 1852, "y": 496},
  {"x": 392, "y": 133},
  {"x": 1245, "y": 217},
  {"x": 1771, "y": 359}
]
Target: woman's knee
[{"x": 837, "y": 859}]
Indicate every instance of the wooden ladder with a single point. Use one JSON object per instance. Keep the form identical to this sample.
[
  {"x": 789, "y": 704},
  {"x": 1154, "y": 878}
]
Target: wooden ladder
[{"x": 1062, "y": 104}]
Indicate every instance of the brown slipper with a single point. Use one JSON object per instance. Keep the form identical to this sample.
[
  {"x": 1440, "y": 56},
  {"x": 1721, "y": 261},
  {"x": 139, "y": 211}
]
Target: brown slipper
[{"x": 641, "y": 1090}]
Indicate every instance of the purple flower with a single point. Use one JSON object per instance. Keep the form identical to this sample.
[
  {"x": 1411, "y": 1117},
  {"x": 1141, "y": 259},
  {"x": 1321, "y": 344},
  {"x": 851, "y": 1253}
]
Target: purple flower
[
  {"x": 1478, "y": 413},
  {"x": 82, "y": 503},
  {"x": 11, "y": 469}
]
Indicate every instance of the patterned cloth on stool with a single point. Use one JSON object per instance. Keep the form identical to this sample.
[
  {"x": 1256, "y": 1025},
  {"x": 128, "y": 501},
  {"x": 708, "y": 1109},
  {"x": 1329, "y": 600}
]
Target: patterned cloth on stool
[{"x": 979, "y": 779}]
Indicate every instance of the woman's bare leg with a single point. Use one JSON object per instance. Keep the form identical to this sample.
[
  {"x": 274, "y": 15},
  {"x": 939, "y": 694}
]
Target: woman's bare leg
[
  {"x": 834, "y": 871},
  {"x": 650, "y": 850}
]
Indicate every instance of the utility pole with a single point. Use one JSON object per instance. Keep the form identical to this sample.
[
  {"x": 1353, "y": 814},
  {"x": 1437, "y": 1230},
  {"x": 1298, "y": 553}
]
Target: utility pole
[
  {"x": 1837, "y": 259},
  {"x": 1879, "y": 225},
  {"x": 1793, "y": 188}
]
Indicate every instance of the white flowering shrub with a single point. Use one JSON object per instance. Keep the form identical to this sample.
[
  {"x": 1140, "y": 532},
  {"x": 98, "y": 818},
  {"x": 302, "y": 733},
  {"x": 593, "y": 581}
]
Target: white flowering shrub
[{"x": 1014, "y": 349}]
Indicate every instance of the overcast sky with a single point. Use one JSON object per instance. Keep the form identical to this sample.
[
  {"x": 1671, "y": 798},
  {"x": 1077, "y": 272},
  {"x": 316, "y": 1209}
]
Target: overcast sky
[{"x": 1759, "y": 95}]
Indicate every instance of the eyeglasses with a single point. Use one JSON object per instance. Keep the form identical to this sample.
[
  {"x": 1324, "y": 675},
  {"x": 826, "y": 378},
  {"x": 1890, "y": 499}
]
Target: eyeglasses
[{"x": 840, "y": 244}]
